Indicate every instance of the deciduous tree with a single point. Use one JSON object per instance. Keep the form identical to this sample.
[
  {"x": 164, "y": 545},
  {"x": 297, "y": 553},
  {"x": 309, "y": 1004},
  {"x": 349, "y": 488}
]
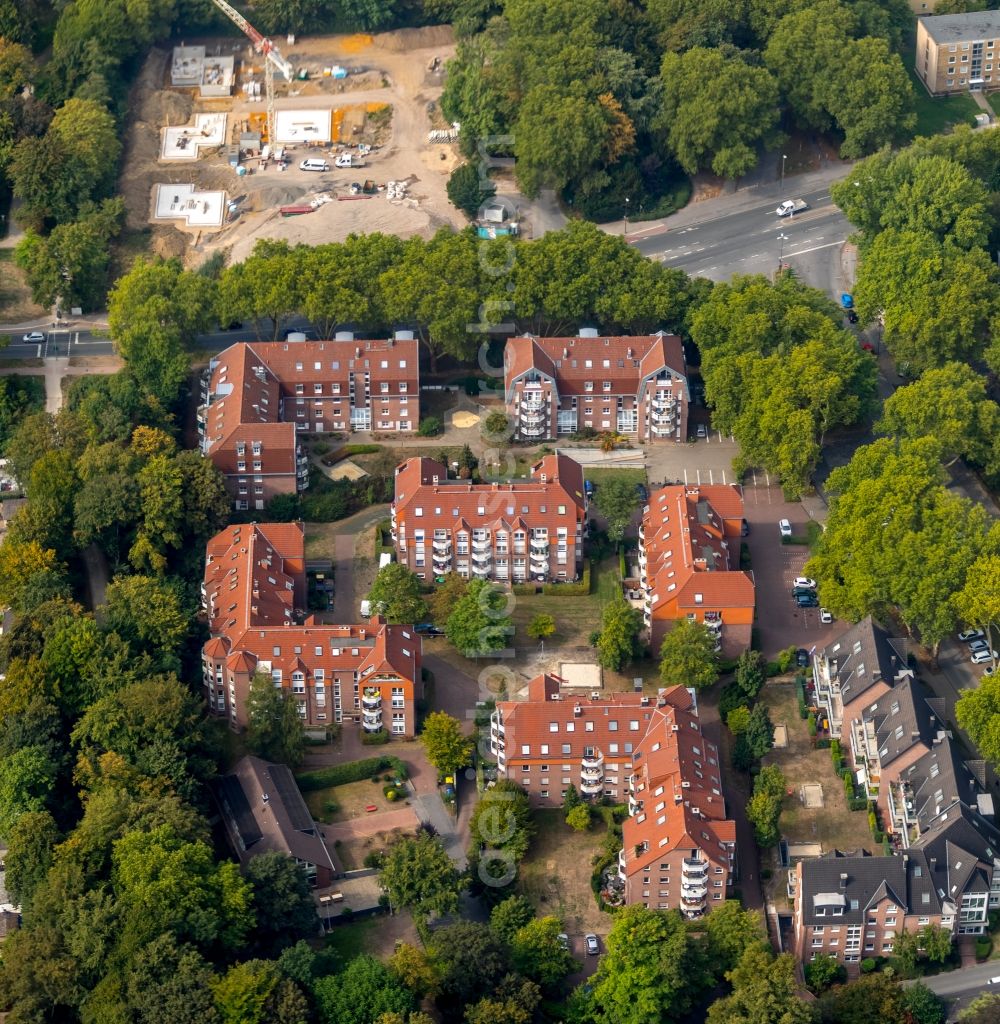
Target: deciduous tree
[
  {"x": 687, "y": 655},
  {"x": 418, "y": 875},
  {"x": 479, "y": 622},
  {"x": 446, "y": 746},
  {"x": 764, "y": 988},
  {"x": 274, "y": 728},
  {"x": 616, "y": 499},
  {"x": 618, "y": 641},
  {"x": 282, "y": 901},
  {"x": 396, "y": 595}
]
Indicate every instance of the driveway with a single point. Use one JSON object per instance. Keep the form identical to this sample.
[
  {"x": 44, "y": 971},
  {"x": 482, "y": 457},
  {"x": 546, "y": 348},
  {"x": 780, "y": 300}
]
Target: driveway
[{"x": 780, "y": 623}]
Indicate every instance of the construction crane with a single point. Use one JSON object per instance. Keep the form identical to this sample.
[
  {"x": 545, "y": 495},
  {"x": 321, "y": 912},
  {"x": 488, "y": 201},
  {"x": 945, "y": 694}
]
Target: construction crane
[{"x": 272, "y": 60}]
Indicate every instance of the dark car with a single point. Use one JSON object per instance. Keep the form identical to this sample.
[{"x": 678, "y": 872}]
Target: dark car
[
  {"x": 640, "y": 490},
  {"x": 803, "y": 592},
  {"x": 807, "y": 601},
  {"x": 802, "y": 658},
  {"x": 428, "y": 628},
  {"x": 852, "y": 316},
  {"x": 744, "y": 529}
]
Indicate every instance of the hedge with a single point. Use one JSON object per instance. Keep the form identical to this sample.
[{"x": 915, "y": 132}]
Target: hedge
[
  {"x": 350, "y": 771},
  {"x": 579, "y": 588},
  {"x": 347, "y": 450}
]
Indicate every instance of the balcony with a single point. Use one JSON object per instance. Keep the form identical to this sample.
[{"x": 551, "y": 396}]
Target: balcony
[
  {"x": 902, "y": 812},
  {"x": 529, "y": 430},
  {"x": 482, "y": 556},
  {"x": 441, "y": 561},
  {"x": 481, "y": 544},
  {"x": 442, "y": 546},
  {"x": 663, "y": 401},
  {"x": 621, "y": 865},
  {"x": 662, "y": 417},
  {"x": 592, "y": 761},
  {"x": 661, "y": 431},
  {"x": 540, "y": 545},
  {"x": 371, "y": 700},
  {"x": 693, "y": 869},
  {"x": 592, "y": 787},
  {"x": 481, "y": 571},
  {"x": 371, "y": 721},
  {"x": 533, "y": 414}
]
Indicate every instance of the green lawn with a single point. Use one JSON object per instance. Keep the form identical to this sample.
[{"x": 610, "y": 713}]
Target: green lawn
[
  {"x": 576, "y": 615},
  {"x": 994, "y": 101},
  {"x": 632, "y": 475},
  {"x": 939, "y": 114},
  {"x": 348, "y": 940}
]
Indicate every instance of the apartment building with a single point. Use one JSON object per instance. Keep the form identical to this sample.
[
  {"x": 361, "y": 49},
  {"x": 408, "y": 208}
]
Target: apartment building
[
  {"x": 254, "y": 596},
  {"x": 689, "y": 563},
  {"x": 959, "y": 53},
  {"x": 515, "y": 531},
  {"x": 258, "y": 398},
  {"x": 855, "y": 669},
  {"x": 632, "y": 386},
  {"x": 854, "y": 906},
  {"x": 678, "y": 845}
]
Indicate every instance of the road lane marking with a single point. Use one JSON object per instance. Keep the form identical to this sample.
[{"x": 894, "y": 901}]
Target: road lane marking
[{"x": 802, "y": 252}]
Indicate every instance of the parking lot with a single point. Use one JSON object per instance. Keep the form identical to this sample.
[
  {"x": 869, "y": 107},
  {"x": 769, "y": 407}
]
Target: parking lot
[
  {"x": 707, "y": 460},
  {"x": 780, "y": 623}
]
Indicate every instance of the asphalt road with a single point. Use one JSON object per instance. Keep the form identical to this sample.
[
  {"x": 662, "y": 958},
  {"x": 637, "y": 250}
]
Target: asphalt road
[
  {"x": 749, "y": 240},
  {"x": 960, "y": 987}
]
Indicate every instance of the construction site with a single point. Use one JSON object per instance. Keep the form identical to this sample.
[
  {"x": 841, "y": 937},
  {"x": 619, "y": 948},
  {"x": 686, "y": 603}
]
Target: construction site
[{"x": 346, "y": 137}]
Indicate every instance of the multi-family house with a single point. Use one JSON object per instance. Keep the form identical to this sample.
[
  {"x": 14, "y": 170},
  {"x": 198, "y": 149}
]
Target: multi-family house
[
  {"x": 511, "y": 531},
  {"x": 689, "y": 563},
  {"x": 254, "y": 595},
  {"x": 632, "y": 386},
  {"x": 678, "y": 845},
  {"x": 263, "y": 812},
  {"x": 891, "y": 734},
  {"x": 258, "y": 398},
  {"x": 854, "y": 670},
  {"x": 958, "y": 53}
]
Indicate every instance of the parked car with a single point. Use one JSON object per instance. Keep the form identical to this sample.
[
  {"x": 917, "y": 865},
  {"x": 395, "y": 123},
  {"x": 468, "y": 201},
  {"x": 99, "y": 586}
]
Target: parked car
[
  {"x": 802, "y": 658},
  {"x": 807, "y": 601},
  {"x": 978, "y": 645},
  {"x": 971, "y": 634},
  {"x": 847, "y": 300},
  {"x": 744, "y": 528},
  {"x": 803, "y": 592},
  {"x": 702, "y": 430},
  {"x": 563, "y": 940},
  {"x": 314, "y": 164},
  {"x": 852, "y": 316},
  {"x": 784, "y": 528},
  {"x": 804, "y": 581},
  {"x": 825, "y": 616},
  {"x": 982, "y": 657},
  {"x": 642, "y": 492},
  {"x": 592, "y": 947},
  {"x": 33, "y": 337}
]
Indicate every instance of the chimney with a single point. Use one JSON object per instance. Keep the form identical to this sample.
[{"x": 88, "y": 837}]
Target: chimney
[{"x": 577, "y": 711}]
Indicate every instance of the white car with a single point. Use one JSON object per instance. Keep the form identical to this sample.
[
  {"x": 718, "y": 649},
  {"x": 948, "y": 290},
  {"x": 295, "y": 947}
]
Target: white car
[
  {"x": 982, "y": 657},
  {"x": 978, "y": 645},
  {"x": 790, "y": 206},
  {"x": 35, "y": 337},
  {"x": 804, "y": 581},
  {"x": 784, "y": 528},
  {"x": 592, "y": 947},
  {"x": 971, "y": 634},
  {"x": 563, "y": 940},
  {"x": 825, "y": 616},
  {"x": 702, "y": 430},
  {"x": 314, "y": 164}
]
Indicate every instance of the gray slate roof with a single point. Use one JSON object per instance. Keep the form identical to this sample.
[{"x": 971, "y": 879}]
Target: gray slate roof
[
  {"x": 862, "y": 657},
  {"x": 264, "y": 808},
  {"x": 852, "y": 882},
  {"x": 939, "y": 779},
  {"x": 902, "y": 719},
  {"x": 959, "y": 28},
  {"x": 960, "y": 849}
]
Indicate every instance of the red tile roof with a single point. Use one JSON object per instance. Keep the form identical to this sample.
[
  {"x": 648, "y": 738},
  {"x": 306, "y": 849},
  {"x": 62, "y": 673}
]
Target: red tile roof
[
  {"x": 691, "y": 539},
  {"x": 254, "y": 575},
  {"x": 628, "y": 360}
]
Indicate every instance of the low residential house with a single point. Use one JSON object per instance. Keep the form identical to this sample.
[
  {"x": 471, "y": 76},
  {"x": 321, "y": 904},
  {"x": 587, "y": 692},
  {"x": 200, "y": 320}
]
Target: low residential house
[
  {"x": 254, "y": 595},
  {"x": 263, "y": 812},
  {"x": 678, "y": 845},
  {"x": 959, "y": 53},
  {"x": 855, "y": 669},
  {"x": 632, "y": 386},
  {"x": 259, "y": 398},
  {"x": 689, "y": 563},
  {"x": 511, "y": 531}
]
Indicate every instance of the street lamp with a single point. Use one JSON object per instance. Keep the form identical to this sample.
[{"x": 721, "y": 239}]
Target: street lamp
[
  {"x": 782, "y": 238},
  {"x": 626, "y": 217},
  {"x": 784, "y": 157}
]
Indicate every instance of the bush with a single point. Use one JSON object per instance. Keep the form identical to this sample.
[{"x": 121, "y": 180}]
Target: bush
[
  {"x": 867, "y": 965},
  {"x": 857, "y": 803},
  {"x": 811, "y": 725},
  {"x": 430, "y": 426},
  {"x": 984, "y": 946},
  {"x": 350, "y": 771},
  {"x": 579, "y": 588},
  {"x": 375, "y": 739},
  {"x": 731, "y": 698},
  {"x": 467, "y": 190},
  {"x": 823, "y": 742},
  {"x": 374, "y": 859}
]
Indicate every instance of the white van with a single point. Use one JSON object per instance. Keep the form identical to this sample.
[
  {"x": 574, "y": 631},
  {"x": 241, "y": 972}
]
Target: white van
[
  {"x": 366, "y": 609},
  {"x": 314, "y": 164},
  {"x": 344, "y": 160}
]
